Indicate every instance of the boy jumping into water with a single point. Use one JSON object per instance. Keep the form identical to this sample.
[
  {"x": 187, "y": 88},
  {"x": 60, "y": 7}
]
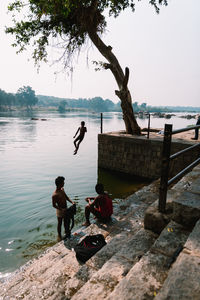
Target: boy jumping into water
[{"x": 80, "y": 137}]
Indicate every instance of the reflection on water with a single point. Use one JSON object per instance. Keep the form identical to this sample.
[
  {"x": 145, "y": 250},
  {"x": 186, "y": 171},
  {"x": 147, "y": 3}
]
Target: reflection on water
[
  {"x": 32, "y": 154},
  {"x": 120, "y": 185}
]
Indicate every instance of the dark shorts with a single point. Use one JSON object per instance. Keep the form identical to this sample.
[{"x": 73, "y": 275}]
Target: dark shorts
[{"x": 97, "y": 214}]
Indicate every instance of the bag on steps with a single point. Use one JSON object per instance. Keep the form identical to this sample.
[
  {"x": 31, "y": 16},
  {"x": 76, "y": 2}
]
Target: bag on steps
[{"x": 89, "y": 246}]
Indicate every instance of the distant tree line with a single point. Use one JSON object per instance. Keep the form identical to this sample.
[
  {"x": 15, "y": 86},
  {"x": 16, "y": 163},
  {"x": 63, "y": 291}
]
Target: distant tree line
[
  {"x": 96, "y": 104},
  {"x": 25, "y": 97}
]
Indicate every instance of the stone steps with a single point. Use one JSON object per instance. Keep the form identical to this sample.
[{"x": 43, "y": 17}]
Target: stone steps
[
  {"x": 102, "y": 282},
  {"x": 135, "y": 263},
  {"x": 87, "y": 270},
  {"x": 57, "y": 275},
  {"x": 127, "y": 222},
  {"x": 183, "y": 281},
  {"x": 146, "y": 277}
]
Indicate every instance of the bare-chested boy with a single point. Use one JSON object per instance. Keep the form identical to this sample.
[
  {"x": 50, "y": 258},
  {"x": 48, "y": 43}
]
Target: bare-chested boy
[
  {"x": 59, "y": 201},
  {"x": 80, "y": 137}
]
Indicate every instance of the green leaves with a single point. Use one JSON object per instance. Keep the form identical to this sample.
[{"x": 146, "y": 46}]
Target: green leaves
[{"x": 69, "y": 20}]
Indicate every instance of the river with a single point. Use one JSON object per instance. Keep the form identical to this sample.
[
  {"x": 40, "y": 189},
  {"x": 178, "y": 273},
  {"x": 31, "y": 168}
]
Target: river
[{"x": 32, "y": 154}]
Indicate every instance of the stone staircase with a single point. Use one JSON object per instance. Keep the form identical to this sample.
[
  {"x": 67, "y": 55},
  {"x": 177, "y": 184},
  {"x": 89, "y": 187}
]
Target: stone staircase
[{"x": 135, "y": 264}]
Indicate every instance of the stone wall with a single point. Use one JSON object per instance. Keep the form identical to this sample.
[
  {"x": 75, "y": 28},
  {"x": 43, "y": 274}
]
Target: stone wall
[{"x": 139, "y": 156}]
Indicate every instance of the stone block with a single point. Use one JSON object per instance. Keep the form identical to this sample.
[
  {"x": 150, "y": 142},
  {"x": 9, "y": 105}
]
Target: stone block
[
  {"x": 103, "y": 282},
  {"x": 143, "y": 280},
  {"x": 186, "y": 208},
  {"x": 155, "y": 220},
  {"x": 183, "y": 280},
  {"x": 171, "y": 238},
  {"x": 193, "y": 241}
]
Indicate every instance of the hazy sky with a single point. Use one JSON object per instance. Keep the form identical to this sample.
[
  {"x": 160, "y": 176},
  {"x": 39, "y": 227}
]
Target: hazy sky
[{"x": 162, "y": 52}]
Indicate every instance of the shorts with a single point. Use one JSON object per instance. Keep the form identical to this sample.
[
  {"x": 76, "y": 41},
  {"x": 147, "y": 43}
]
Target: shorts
[{"x": 60, "y": 213}]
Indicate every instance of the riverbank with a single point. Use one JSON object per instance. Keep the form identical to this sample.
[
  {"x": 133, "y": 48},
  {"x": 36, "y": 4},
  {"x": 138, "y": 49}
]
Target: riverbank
[
  {"x": 135, "y": 264},
  {"x": 141, "y": 114}
]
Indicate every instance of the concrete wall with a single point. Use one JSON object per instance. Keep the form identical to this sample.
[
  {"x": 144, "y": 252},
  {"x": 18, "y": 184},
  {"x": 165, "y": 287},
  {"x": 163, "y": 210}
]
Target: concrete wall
[{"x": 138, "y": 155}]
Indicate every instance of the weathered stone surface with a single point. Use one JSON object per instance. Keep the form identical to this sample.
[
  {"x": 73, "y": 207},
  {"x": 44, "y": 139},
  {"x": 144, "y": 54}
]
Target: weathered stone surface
[
  {"x": 139, "y": 156},
  {"x": 193, "y": 241},
  {"x": 103, "y": 282},
  {"x": 155, "y": 220},
  {"x": 41, "y": 280},
  {"x": 143, "y": 280},
  {"x": 111, "y": 273},
  {"x": 97, "y": 261},
  {"x": 171, "y": 238},
  {"x": 189, "y": 182},
  {"x": 147, "y": 276},
  {"x": 186, "y": 208},
  {"x": 183, "y": 280}
]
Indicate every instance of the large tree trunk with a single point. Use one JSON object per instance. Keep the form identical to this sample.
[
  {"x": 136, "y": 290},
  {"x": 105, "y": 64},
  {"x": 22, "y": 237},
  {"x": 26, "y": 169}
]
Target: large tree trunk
[{"x": 122, "y": 82}]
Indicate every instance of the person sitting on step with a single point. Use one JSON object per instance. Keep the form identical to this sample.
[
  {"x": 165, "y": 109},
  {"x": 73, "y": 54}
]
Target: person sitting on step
[{"x": 101, "y": 206}]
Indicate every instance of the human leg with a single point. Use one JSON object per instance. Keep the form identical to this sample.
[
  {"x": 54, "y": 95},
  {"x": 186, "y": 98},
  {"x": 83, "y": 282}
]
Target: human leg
[
  {"x": 77, "y": 146},
  {"x": 90, "y": 209},
  {"x": 59, "y": 227},
  {"x": 67, "y": 225},
  {"x": 196, "y": 133},
  {"x": 76, "y": 140}
]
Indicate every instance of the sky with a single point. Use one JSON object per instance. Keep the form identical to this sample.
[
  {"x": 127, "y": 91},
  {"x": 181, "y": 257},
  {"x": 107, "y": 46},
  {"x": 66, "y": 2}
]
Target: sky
[{"x": 162, "y": 52}]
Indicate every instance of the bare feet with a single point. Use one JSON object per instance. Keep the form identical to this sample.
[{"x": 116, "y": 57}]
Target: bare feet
[{"x": 86, "y": 224}]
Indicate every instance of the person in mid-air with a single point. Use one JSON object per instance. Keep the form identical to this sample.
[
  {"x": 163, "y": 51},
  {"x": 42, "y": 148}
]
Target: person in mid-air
[
  {"x": 59, "y": 201},
  {"x": 197, "y": 129},
  {"x": 82, "y": 129},
  {"x": 101, "y": 206}
]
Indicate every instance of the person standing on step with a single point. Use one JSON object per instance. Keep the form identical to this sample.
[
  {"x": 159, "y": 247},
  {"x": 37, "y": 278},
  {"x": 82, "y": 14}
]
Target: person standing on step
[
  {"x": 197, "y": 129},
  {"x": 59, "y": 201}
]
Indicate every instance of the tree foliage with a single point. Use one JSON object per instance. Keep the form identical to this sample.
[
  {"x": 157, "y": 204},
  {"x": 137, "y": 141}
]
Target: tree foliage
[
  {"x": 73, "y": 22},
  {"x": 26, "y": 96}
]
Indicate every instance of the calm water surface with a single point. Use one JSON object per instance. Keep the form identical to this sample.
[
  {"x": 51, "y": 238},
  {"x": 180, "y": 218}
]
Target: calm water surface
[{"x": 32, "y": 154}]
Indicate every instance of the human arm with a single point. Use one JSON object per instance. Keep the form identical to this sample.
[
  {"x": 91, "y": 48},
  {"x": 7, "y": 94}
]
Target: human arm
[
  {"x": 67, "y": 198},
  {"x": 94, "y": 203},
  {"x": 88, "y": 199},
  {"x": 55, "y": 202},
  {"x": 76, "y": 132}
]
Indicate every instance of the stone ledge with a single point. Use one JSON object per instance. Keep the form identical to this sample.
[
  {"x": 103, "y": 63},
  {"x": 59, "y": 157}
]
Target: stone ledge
[
  {"x": 155, "y": 220},
  {"x": 183, "y": 280},
  {"x": 186, "y": 208},
  {"x": 193, "y": 242}
]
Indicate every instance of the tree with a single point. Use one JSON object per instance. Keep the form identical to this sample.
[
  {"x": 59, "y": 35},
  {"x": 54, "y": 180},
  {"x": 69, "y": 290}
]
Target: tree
[
  {"x": 97, "y": 104},
  {"x": 109, "y": 104},
  {"x": 26, "y": 96},
  {"x": 62, "y": 106},
  {"x": 74, "y": 21},
  {"x": 135, "y": 106},
  {"x": 143, "y": 106}
]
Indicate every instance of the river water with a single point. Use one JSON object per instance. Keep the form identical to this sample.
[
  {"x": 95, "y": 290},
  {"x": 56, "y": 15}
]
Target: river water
[{"x": 32, "y": 154}]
